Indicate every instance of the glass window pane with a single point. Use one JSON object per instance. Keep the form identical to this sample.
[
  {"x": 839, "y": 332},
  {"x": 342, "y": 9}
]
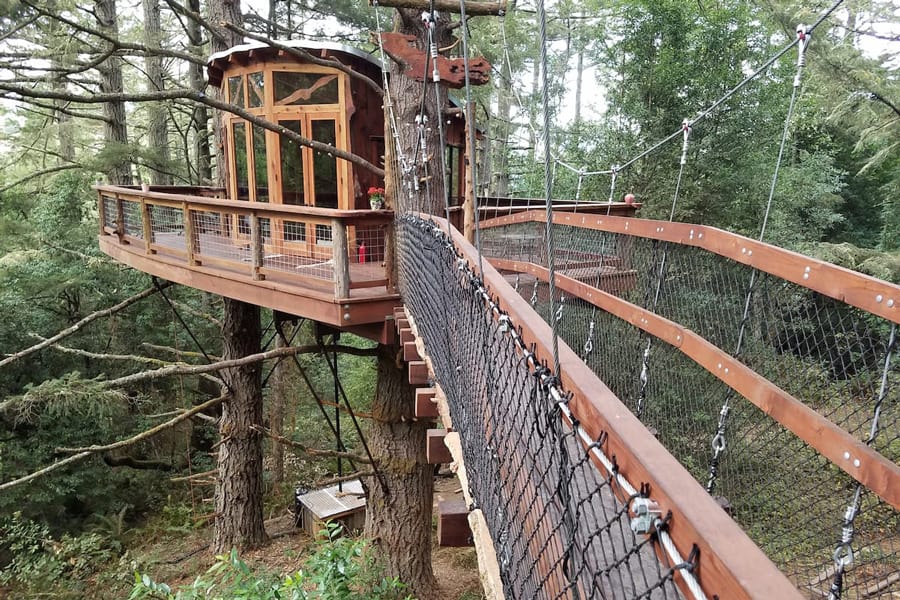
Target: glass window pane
[
  {"x": 236, "y": 90},
  {"x": 294, "y": 231},
  {"x": 291, "y": 167},
  {"x": 259, "y": 164},
  {"x": 256, "y": 84},
  {"x": 305, "y": 88},
  {"x": 325, "y": 165},
  {"x": 323, "y": 235},
  {"x": 239, "y": 134}
]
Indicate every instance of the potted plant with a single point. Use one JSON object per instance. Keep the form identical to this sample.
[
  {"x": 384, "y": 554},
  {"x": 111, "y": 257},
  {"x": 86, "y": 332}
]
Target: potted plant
[{"x": 376, "y": 198}]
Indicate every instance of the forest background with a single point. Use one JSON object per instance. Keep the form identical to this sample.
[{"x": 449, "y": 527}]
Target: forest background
[{"x": 624, "y": 75}]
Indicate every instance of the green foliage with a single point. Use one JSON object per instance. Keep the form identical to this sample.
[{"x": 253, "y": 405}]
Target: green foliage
[
  {"x": 340, "y": 569},
  {"x": 37, "y": 561}
]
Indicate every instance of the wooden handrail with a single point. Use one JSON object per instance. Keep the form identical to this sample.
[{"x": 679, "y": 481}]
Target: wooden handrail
[
  {"x": 350, "y": 217},
  {"x": 849, "y": 454},
  {"x": 731, "y": 565},
  {"x": 856, "y": 289}
]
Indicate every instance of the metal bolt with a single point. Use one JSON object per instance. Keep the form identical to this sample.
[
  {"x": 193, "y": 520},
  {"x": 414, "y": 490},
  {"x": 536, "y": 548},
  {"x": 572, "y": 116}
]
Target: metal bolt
[
  {"x": 856, "y": 462},
  {"x": 890, "y": 303},
  {"x": 346, "y": 316},
  {"x": 846, "y": 456},
  {"x": 879, "y": 298}
]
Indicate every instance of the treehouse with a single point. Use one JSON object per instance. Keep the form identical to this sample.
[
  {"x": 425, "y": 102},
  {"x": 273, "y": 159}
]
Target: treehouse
[{"x": 293, "y": 228}]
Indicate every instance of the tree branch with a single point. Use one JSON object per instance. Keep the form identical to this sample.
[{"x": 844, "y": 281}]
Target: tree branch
[
  {"x": 313, "y": 452},
  {"x": 302, "y": 54},
  {"x": 27, "y": 92},
  {"x": 28, "y": 178},
  {"x": 82, "y": 453},
  {"x": 77, "y": 326}
]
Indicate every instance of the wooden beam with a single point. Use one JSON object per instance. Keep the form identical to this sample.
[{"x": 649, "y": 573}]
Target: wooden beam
[
  {"x": 452, "y": 71},
  {"x": 436, "y": 450},
  {"x": 453, "y": 524},
  {"x": 418, "y": 372},
  {"x": 426, "y": 407},
  {"x": 410, "y": 352},
  {"x": 341, "y": 259},
  {"x": 473, "y": 9},
  {"x": 406, "y": 335}
]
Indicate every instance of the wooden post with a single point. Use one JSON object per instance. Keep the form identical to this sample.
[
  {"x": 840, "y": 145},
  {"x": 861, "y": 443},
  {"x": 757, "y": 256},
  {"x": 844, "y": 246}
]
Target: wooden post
[
  {"x": 469, "y": 203},
  {"x": 191, "y": 243},
  {"x": 390, "y": 264},
  {"x": 120, "y": 219},
  {"x": 101, "y": 210},
  {"x": 256, "y": 248},
  {"x": 147, "y": 226},
  {"x": 341, "y": 259}
]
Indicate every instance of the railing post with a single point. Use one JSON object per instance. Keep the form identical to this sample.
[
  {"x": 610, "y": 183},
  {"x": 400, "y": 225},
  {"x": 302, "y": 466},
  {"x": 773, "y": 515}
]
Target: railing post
[
  {"x": 120, "y": 219},
  {"x": 191, "y": 242},
  {"x": 341, "y": 259},
  {"x": 256, "y": 247},
  {"x": 101, "y": 210},
  {"x": 147, "y": 226},
  {"x": 390, "y": 264}
]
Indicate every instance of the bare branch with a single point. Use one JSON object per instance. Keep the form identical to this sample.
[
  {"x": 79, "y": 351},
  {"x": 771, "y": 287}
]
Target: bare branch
[
  {"x": 36, "y": 176},
  {"x": 350, "y": 477},
  {"x": 77, "y": 326},
  {"x": 312, "y": 452},
  {"x": 82, "y": 453},
  {"x": 27, "y": 92},
  {"x": 302, "y": 54}
]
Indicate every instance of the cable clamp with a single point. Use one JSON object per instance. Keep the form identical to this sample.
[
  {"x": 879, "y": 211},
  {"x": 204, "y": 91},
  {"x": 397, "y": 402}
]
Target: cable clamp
[
  {"x": 645, "y": 514},
  {"x": 428, "y": 19},
  {"x": 504, "y": 323}
]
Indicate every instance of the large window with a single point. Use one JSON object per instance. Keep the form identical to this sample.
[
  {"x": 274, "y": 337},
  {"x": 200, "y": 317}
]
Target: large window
[{"x": 270, "y": 167}]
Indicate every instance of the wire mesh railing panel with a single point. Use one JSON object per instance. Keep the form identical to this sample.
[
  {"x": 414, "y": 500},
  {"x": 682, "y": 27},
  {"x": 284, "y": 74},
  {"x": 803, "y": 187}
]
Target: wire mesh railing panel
[
  {"x": 819, "y": 525},
  {"x": 131, "y": 218},
  {"x": 109, "y": 210},
  {"x": 167, "y": 227},
  {"x": 218, "y": 236},
  {"x": 558, "y": 526}
]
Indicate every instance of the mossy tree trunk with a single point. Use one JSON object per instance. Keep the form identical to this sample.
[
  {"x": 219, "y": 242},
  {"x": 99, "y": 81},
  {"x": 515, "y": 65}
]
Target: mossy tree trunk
[
  {"x": 239, "y": 487},
  {"x": 398, "y": 519}
]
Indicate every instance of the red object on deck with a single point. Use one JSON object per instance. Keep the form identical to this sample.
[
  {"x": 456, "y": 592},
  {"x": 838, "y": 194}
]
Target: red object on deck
[
  {"x": 362, "y": 252},
  {"x": 629, "y": 198}
]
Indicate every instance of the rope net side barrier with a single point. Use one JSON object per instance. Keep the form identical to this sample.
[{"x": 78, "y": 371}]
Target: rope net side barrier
[
  {"x": 512, "y": 446},
  {"x": 832, "y": 536}
]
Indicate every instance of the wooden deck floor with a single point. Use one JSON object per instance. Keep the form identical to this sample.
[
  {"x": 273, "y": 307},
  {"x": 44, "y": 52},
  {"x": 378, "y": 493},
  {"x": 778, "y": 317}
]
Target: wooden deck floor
[{"x": 291, "y": 283}]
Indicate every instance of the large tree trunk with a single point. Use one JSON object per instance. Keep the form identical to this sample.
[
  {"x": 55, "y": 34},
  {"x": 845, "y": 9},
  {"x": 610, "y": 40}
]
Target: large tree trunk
[
  {"x": 115, "y": 129},
  {"x": 202, "y": 171},
  {"x": 406, "y": 94},
  {"x": 158, "y": 129},
  {"x": 277, "y": 402},
  {"x": 227, "y": 11},
  {"x": 239, "y": 487},
  {"x": 398, "y": 519}
]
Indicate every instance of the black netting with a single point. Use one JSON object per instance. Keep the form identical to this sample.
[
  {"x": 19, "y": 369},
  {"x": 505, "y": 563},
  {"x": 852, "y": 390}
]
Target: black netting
[
  {"x": 830, "y": 356},
  {"x": 558, "y": 526}
]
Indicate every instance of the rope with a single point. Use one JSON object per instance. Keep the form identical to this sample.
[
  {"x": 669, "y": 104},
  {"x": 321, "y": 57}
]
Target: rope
[{"x": 719, "y": 442}]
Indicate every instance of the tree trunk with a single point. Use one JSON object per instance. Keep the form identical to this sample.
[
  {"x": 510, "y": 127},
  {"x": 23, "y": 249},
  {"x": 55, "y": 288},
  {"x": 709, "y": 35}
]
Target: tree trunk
[
  {"x": 158, "y": 129},
  {"x": 278, "y": 400},
  {"x": 398, "y": 520},
  {"x": 239, "y": 487},
  {"x": 115, "y": 129},
  {"x": 406, "y": 94},
  {"x": 228, "y": 11},
  {"x": 199, "y": 116}
]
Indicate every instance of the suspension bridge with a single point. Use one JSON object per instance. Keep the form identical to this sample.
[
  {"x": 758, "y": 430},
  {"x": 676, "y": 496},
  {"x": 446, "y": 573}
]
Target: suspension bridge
[{"x": 645, "y": 408}]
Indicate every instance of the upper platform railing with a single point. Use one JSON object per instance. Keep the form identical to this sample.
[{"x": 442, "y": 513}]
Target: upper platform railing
[{"x": 301, "y": 245}]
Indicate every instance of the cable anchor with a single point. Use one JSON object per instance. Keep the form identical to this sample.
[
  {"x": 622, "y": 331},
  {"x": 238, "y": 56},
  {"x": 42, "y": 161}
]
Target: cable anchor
[
  {"x": 589, "y": 343},
  {"x": 686, "y": 131},
  {"x": 613, "y": 172},
  {"x": 803, "y": 37}
]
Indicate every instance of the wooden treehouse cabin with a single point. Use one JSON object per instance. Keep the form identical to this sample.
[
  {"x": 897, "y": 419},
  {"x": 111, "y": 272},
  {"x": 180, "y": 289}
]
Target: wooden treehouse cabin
[{"x": 293, "y": 229}]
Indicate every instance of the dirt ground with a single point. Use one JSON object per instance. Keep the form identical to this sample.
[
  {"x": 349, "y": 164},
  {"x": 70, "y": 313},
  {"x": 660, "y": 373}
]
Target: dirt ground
[{"x": 180, "y": 562}]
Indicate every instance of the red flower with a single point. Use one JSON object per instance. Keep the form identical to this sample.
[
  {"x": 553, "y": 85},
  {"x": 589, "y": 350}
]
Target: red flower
[{"x": 376, "y": 191}]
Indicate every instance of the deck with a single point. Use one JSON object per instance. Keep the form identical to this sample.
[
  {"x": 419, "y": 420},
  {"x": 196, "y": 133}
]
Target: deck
[{"x": 322, "y": 264}]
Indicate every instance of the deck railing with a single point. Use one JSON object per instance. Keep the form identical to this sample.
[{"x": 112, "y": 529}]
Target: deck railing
[{"x": 299, "y": 244}]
